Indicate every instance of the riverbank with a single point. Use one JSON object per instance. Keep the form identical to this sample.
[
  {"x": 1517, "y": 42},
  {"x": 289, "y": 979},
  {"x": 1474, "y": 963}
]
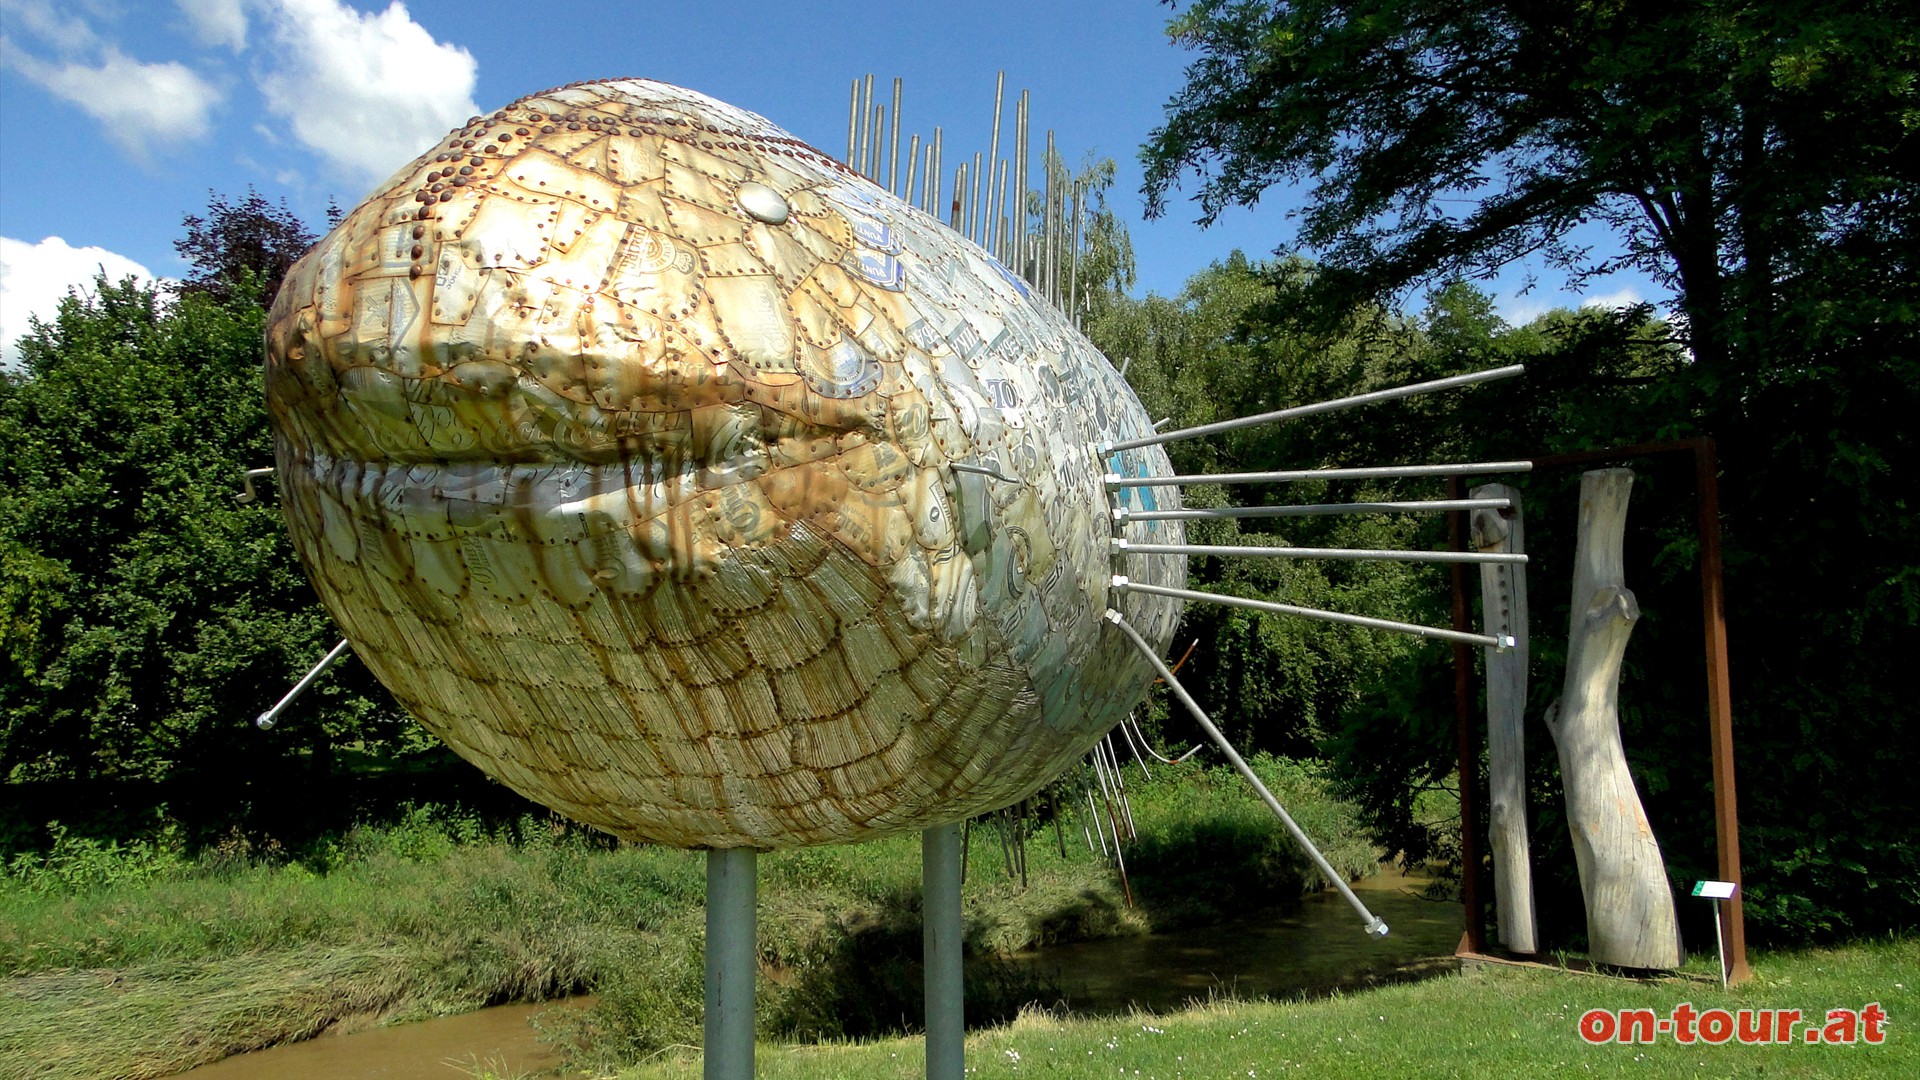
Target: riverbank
[
  {"x": 1493, "y": 1022},
  {"x": 139, "y": 960}
]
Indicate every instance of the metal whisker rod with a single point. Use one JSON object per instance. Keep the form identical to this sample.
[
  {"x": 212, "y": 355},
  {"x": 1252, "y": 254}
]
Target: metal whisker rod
[
  {"x": 959, "y": 466},
  {"x": 266, "y": 719},
  {"x": 1374, "y": 924},
  {"x": 1287, "y": 476},
  {"x": 893, "y": 143},
  {"x": 1493, "y": 641},
  {"x": 1122, "y": 514},
  {"x": 1323, "y": 407},
  {"x": 1128, "y": 547}
]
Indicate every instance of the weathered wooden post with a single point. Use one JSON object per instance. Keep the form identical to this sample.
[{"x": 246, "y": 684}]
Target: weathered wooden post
[
  {"x": 1630, "y": 912},
  {"x": 1503, "y": 592}
]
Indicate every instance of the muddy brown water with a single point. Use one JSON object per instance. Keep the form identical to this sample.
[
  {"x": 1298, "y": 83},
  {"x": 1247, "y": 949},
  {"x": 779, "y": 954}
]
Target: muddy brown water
[
  {"x": 502, "y": 1039},
  {"x": 1315, "y": 946}
]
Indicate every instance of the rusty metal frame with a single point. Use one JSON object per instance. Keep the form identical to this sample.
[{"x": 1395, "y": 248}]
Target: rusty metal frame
[{"x": 1726, "y": 817}]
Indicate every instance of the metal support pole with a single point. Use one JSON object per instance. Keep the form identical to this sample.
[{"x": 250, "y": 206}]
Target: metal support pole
[
  {"x": 731, "y": 885},
  {"x": 941, "y": 936}
]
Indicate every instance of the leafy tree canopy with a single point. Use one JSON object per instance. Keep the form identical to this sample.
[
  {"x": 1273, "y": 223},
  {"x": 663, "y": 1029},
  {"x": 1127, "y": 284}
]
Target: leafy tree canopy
[
  {"x": 1730, "y": 145},
  {"x": 244, "y": 244}
]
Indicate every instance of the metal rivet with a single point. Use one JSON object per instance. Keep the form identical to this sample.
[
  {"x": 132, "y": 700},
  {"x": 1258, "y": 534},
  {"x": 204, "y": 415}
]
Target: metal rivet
[{"x": 762, "y": 203}]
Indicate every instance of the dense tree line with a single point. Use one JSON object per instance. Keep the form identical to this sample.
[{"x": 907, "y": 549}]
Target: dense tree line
[
  {"x": 148, "y": 614},
  {"x": 1762, "y": 160}
]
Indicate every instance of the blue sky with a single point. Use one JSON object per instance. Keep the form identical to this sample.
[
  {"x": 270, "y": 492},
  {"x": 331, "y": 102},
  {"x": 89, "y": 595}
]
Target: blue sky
[{"x": 119, "y": 116}]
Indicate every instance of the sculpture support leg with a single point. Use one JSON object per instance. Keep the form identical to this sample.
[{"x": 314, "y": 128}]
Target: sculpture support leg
[
  {"x": 940, "y": 914},
  {"x": 731, "y": 888}
]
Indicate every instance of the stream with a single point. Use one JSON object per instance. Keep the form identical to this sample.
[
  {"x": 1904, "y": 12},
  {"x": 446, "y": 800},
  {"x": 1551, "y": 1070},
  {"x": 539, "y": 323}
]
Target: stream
[{"x": 1313, "y": 947}]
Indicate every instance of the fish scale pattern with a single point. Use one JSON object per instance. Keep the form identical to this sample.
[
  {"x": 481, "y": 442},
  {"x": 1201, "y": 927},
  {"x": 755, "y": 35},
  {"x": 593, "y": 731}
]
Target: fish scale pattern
[{"x": 619, "y": 432}]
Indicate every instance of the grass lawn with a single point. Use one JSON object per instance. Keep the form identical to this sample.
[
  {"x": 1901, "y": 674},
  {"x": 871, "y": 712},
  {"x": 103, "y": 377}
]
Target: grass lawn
[{"x": 1492, "y": 1023}]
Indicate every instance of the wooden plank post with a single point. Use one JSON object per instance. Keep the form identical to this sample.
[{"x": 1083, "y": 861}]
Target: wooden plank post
[
  {"x": 1630, "y": 911},
  {"x": 1503, "y": 593}
]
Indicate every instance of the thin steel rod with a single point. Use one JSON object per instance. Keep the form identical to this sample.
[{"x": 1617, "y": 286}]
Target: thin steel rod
[
  {"x": 1492, "y": 641},
  {"x": 1020, "y": 186},
  {"x": 1120, "y": 785},
  {"x": 267, "y": 719},
  {"x": 1192, "y": 750},
  {"x": 878, "y": 155},
  {"x": 853, "y": 122},
  {"x": 1093, "y": 813},
  {"x": 1134, "y": 747},
  {"x": 1287, "y": 476},
  {"x": 913, "y": 168},
  {"x": 727, "y": 1053},
  {"x": 1325, "y": 407},
  {"x": 954, "y": 216},
  {"x": 973, "y": 200},
  {"x": 1048, "y": 222},
  {"x": 893, "y": 144},
  {"x": 941, "y": 939},
  {"x": 1073, "y": 261},
  {"x": 999, "y": 231},
  {"x": 866, "y": 127},
  {"x": 1308, "y": 510},
  {"x": 1128, "y": 547},
  {"x": 993, "y": 156},
  {"x": 1374, "y": 924}
]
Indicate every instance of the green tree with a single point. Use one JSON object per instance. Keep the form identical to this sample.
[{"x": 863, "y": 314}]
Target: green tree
[
  {"x": 149, "y": 616},
  {"x": 1760, "y": 159}
]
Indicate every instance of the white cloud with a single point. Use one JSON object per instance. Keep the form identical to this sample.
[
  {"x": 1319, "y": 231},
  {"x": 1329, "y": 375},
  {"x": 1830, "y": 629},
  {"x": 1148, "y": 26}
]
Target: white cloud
[
  {"x": 367, "y": 92},
  {"x": 35, "y": 277},
  {"x": 217, "y": 22},
  {"x": 42, "y": 20},
  {"x": 1625, "y": 296},
  {"x": 139, "y": 104}
]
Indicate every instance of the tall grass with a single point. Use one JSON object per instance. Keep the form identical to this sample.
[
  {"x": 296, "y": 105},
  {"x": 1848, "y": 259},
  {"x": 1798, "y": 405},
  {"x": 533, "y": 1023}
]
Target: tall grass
[{"x": 138, "y": 958}]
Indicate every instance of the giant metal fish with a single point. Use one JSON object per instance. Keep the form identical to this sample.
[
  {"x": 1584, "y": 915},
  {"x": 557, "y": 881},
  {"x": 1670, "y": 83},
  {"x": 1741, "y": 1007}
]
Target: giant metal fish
[{"x": 698, "y": 488}]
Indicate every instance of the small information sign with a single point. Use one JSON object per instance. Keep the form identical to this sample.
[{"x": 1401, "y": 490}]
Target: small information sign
[{"x": 1715, "y": 890}]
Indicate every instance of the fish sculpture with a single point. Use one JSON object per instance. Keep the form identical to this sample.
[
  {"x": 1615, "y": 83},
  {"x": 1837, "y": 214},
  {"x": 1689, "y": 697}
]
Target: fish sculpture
[{"x": 692, "y": 485}]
